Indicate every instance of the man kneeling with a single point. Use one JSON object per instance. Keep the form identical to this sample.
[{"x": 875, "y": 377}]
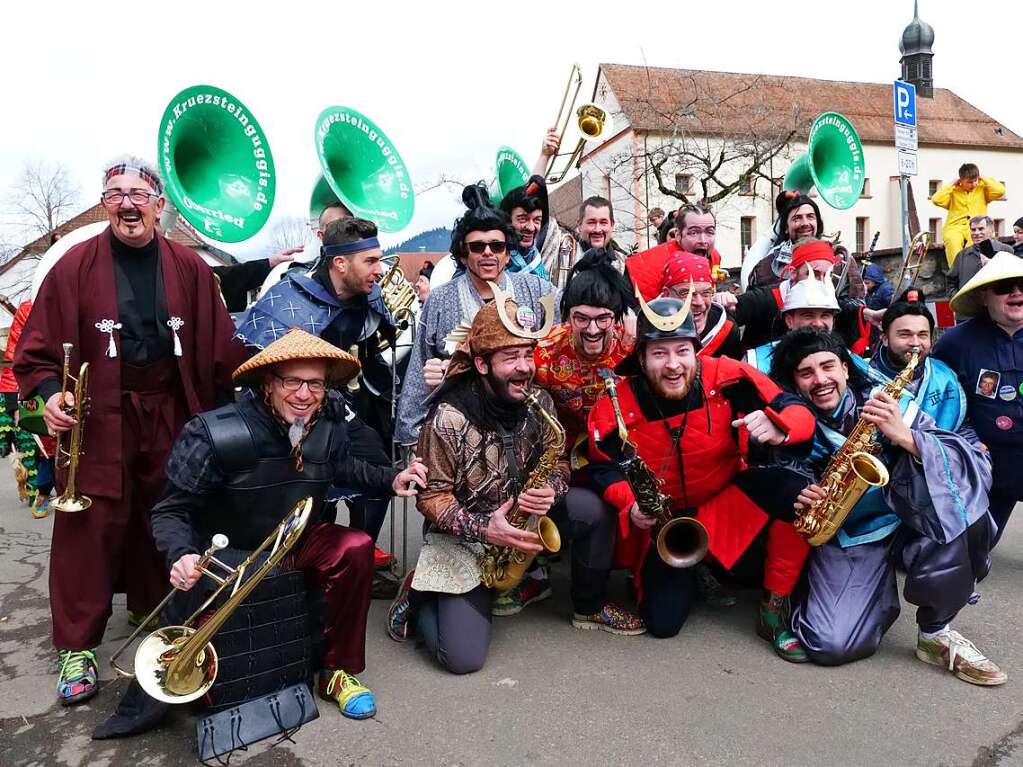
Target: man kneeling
[{"x": 932, "y": 517}]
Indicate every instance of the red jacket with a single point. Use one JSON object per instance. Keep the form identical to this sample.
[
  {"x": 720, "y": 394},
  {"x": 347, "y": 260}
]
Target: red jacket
[{"x": 8, "y": 383}]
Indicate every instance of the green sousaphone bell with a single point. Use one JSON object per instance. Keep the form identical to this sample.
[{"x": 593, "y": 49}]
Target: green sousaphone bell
[
  {"x": 216, "y": 163},
  {"x": 833, "y": 162},
  {"x": 512, "y": 171},
  {"x": 362, "y": 169}
]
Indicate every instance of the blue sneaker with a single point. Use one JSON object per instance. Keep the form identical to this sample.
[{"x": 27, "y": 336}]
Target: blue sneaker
[{"x": 355, "y": 700}]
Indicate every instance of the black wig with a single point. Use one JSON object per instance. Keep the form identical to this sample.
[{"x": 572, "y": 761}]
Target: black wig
[
  {"x": 480, "y": 217},
  {"x": 594, "y": 281}
]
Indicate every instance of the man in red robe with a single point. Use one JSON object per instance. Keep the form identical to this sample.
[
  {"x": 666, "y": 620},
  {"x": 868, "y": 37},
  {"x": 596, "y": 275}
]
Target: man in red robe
[
  {"x": 687, "y": 417},
  {"x": 147, "y": 316}
]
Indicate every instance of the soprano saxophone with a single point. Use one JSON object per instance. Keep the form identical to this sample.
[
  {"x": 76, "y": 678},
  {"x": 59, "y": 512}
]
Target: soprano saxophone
[
  {"x": 501, "y": 567},
  {"x": 852, "y": 471}
]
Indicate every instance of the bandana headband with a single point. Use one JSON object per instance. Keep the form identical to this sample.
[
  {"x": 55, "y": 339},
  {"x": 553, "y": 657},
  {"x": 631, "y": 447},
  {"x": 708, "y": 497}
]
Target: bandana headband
[
  {"x": 330, "y": 251},
  {"x": 146, "y": 175}
]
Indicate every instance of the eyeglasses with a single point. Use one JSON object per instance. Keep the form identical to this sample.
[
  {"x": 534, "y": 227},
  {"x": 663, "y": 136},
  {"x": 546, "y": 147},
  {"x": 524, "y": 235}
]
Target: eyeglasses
[
  {"x": 497, "y": 247},
  {"x": 137, "y": 196},
  {"x": 581, "y": 321},
  {"x": 293, "y": 384},
  {"x": 1005, "y": 287}
]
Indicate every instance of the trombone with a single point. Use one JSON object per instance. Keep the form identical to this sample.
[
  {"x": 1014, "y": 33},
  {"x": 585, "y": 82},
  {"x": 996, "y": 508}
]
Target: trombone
[
  {"x": 915, "y": 256},
  {"x": 178, "y": 664},
  {"x": 70, "y": 501},
  {"x": 591, "y": 120}
]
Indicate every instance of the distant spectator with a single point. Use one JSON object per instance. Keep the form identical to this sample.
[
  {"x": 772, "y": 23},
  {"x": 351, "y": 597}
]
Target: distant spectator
[
  {"x": 1017, "y": 237},
  {"x": 422, "y": 285},
  {"x": 964, "y": 199},
  {"x": 656, "y": 217},
  {"x": 879, "y": 291},
  {"x": 971, "y": 259}
]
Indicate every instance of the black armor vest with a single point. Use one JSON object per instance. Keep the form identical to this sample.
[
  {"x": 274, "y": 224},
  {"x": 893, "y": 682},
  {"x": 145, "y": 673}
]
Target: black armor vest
[{"x": 261, "y": 481}]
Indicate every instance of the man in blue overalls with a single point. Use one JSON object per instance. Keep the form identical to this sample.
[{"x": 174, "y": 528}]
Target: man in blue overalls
[{"x": 986, "y": 352}]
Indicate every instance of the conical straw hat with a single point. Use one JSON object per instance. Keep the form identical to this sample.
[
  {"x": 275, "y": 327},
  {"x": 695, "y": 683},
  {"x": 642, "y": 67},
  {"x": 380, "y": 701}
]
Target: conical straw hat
[{"x": 296, "y": 344}]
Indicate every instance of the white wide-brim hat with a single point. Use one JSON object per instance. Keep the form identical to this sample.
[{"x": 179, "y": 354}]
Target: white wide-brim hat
[{"x": 968, "y": 302}]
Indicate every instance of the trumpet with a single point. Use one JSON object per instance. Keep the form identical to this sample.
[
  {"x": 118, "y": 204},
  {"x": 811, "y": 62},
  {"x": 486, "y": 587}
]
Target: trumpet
[
  {"x": 178, "y": 664},
  {"x": 915, "y": 256},
  {"x": 70, "y": 501}
]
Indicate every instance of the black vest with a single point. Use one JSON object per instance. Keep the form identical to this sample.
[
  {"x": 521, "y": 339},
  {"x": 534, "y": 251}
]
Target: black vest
[{"x": 261, "y": 481}]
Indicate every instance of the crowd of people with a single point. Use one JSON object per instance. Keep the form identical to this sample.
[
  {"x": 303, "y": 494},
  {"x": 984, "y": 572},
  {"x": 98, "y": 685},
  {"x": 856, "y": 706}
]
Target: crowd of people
[{"x": 521, "y": 400}]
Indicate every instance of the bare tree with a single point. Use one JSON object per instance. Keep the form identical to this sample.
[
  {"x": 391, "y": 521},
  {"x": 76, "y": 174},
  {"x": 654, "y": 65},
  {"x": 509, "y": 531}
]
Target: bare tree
[
  {"x": 717, "y": 136},
  {"x": 291, "y": 232},
  {"x": 44, "y": 196}
]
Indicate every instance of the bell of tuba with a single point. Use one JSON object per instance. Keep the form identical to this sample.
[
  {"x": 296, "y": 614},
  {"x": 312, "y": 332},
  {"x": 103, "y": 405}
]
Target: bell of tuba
[
  {"x": 833, "y": 162},
  {"x": 70, "y": 500},
  {"x": 178, "y": 664},
  {"x": 512, "y": 171},
  {"x": 217, "y": 165},
  {"x": 361, "y": 168}
]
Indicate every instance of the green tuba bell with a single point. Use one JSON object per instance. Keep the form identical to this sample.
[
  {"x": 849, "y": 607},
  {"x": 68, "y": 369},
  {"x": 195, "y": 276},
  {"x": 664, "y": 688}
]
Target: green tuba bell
[
  {"x": 833, "y": 162},
  {"x": 362, "y": 169},
  {"x": 216, "y": 163},
  {"x": 512, "y": 171}
]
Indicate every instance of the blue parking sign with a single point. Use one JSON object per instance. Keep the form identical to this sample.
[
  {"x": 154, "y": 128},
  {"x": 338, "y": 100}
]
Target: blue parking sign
[{"x": 904, "y": 100}]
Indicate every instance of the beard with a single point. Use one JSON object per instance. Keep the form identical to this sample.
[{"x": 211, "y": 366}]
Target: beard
[
  {"x": 678, "y": 390},
  {"x": 502, "y": 388}
]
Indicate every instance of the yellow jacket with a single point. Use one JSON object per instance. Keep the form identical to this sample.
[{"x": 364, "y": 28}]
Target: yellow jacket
[{"x": 962, "y": 205}]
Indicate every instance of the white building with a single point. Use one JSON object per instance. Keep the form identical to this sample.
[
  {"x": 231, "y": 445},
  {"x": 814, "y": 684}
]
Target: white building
[{"x": 653, "y": 105}]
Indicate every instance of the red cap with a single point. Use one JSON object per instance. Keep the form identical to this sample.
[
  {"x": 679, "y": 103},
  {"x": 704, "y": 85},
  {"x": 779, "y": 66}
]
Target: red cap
[
  {"x": 818, "y": 250},
  {"x": 683, "y": 266}
]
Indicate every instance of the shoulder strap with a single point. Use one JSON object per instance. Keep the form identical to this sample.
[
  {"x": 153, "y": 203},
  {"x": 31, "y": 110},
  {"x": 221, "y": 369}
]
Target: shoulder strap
[{"x": 234, "y": 447}]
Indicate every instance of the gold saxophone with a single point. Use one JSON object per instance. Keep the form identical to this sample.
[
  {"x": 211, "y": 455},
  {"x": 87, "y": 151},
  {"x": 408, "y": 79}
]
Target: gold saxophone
[
  {"x": 70, "y": 500},
  {"x": 681, "y": 541},
  {"x": 851, "y": 471},
  {"x": 501, "y": 567}
]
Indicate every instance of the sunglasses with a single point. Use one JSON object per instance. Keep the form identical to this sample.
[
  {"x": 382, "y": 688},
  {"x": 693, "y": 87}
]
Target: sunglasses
[
  {"x": 497, "y": 247},
  {"x": 1005, "y": 287}
]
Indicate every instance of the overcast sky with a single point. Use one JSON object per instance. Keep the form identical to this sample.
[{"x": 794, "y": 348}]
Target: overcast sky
[{"x": 448, "y": 82}]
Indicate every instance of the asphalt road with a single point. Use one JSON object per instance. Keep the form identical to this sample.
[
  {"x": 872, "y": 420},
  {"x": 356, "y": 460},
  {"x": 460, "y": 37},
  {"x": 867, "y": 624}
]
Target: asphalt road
[{"x": 550, "y": 694}]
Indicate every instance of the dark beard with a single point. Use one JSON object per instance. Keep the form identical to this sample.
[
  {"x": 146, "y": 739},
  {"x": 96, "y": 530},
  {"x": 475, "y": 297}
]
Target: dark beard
[
  {"x": 473, "y": 398},
  {"x": 673, "y": 394}
]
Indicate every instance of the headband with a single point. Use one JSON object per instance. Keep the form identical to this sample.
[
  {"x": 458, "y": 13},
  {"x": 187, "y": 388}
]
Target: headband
[
  {"x": 145, "y": 174},
  {"x": 330, "y": 251}
]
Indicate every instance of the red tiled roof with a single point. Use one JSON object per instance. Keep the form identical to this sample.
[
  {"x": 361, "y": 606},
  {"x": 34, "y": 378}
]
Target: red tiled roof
[{"x": 654, "y": 99}]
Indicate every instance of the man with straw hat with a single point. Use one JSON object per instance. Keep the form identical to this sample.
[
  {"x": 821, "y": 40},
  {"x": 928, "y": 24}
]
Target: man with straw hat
[
  {"x": 237, "y": 470},
  {"x": 989, "y": 347}
]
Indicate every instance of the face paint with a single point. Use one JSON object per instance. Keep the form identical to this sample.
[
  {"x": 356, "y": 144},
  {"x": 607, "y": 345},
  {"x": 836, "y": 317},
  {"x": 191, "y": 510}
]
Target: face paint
[
  {"x": 1007, "y": 393},
  {"x": 1003, "y": 422}
]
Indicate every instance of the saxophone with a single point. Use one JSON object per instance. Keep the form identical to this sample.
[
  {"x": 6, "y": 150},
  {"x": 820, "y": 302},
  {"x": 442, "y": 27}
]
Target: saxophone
[
  {"x": 851, "y": 471},
  {"x": 501, "y": 567},
  {"x": 681, "y": 541}
]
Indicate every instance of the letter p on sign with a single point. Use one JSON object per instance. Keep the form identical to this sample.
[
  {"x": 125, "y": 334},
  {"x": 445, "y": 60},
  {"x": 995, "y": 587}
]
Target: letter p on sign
[{"x": 905, "y": 103}]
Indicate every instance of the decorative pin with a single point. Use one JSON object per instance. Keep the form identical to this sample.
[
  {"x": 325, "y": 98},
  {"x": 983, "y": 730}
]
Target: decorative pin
[
  {"x": 175, "y": 324},
  {"x": 109, "y": 326},
  {"x": 1007, "y": 393},
  {"x": 1003, "y": 422}
]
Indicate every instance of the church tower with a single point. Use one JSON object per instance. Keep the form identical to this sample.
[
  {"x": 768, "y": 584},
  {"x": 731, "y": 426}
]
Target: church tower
[{"x": 915, "y": 47}]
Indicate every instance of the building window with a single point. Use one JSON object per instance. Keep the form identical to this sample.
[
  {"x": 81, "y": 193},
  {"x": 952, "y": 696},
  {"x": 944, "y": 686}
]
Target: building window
[
  {"x": 747, "y": 232},
  {"x": 933, "y": 186},
  {"x": 684, "y": 183},
  {"x": 866, "y": 188},
  {"x": 862, "y": 234},
  {"x": 746, "y": 186},
  {"x": 999, "y": 227},
  {"x": 934, "y": 226}
]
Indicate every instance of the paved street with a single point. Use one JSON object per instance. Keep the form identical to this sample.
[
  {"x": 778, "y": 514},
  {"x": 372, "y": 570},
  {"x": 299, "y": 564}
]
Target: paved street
[{"x": 549, "y": 694}]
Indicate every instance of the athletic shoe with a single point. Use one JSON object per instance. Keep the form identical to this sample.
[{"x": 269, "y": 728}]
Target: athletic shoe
[
  {"x": 773, "y": 625},
  {"x": 382, "y": 559},
  {"x": 400, "y": 611},
  {"x": 960, "y": 656},
  {"x": 612, "y": 619},
  {"x": 526, "y": 592},
  {"x": 353, "y": 698},
  {"x": 710, "y": 589},
  {"x": 41, "y": 507},
  {"x": 78, "y": 675}
]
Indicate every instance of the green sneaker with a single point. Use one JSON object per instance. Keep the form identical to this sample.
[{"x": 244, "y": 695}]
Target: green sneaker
[
  {"x": 953, "y": 651},
  {"x": 773, "y": 626},
  {"x": 78, "y": 676},
  {"x": 517, "y": 598}
]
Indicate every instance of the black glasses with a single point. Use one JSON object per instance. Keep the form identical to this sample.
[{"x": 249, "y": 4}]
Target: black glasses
[
  {"x": 581, "y": 321},
  {"x": 137, "y": 196},
  {"x": 497, "y": 247},
  {"x": 1005, "y": 287},
  {"x": 293, "y": 383}
]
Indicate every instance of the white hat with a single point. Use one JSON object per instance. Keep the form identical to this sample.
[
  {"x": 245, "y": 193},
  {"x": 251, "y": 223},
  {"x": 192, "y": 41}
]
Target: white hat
[
  {"x": 811, "y": 293},
  {"x": 1003, "y": 266}
]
